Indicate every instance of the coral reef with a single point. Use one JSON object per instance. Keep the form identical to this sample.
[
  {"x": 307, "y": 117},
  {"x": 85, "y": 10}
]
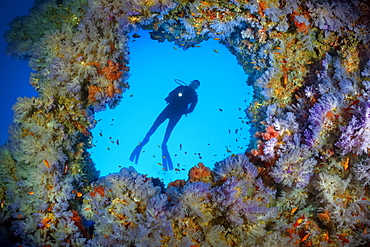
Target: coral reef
[{"x": 303, "y": 182}]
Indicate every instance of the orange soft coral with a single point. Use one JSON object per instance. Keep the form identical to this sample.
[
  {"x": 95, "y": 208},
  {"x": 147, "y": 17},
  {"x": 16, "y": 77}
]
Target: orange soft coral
[
  {"x": 78, "y": 222},
  {"x": 200, "y": 173},
  {"x": 111, "y": 91},
  {"x": 92, "y": 91},
  {"x": 100, "y": 190},
  {"x": 113, "y": 71},
  {"x": 270, "y": 133},
  {"x": 177, "y": 183}
]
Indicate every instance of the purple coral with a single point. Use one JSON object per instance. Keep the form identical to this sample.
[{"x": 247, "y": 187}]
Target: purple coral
[{"x": 355, "y": 136}]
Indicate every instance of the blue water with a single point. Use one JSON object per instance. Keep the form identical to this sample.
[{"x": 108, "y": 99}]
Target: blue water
[{"x": 218, "y": 118}]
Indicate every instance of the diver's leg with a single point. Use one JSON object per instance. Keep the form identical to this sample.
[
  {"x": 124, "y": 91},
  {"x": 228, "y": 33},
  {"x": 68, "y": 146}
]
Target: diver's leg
[
  {"x": 158, "y": 121},
  {"x": 134, "y": 157},
  {"x": 166, "y": 157},
  {"x": 171, "y": 125}
]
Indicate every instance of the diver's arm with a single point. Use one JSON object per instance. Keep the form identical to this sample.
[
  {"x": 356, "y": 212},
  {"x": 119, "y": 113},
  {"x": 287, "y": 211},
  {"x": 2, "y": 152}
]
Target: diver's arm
[{"x": 193, "y": 104}]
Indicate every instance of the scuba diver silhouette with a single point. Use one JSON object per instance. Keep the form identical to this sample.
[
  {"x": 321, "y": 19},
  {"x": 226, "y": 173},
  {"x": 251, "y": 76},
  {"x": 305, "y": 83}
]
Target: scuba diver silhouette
[{"x": 182, "y": 100}]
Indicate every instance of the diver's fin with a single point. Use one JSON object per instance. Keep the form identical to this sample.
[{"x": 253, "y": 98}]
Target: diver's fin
[
  {"x": 166, "y": 159},
  {"x": 134, "y": 157}
]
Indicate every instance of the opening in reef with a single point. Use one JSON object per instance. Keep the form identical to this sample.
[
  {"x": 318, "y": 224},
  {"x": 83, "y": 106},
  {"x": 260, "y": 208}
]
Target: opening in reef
[{"x": 200, "y": 136}]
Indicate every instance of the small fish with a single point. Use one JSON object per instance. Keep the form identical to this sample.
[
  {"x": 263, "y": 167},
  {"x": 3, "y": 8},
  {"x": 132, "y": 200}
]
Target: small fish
[
  {"x": 175, "y": 48},
  {"x": 177, "y": 169},
  {"x": 220, "y": 109},
  {"x": 159, "y": 164},
  {"x": 305, "y": 237},
  {"x": 108, "y": 148},
  {"x": 279, "y": 48},
  {"x": 117, "y": 142},
  {"x": 345, "y": 165},
  {"x": 344, "y": 240},
  {"x": 66, "y": 169},
  {"x": 136, "y": 36},
  {"x": 87, "y": 209},
  {"x": 215, "y": 50},
  {"x": 112, "y": 119},
  {"x": 110, "y": 138},
  {"x": 293, "y": 210},
  {"x": 299, "y": 221},
  {"x": 101, "y": 134},
  {"x": 131, "y": 95},
  {"x": 197, "y": 46},
  {"x": 180, "y": 146},
  {"x": 47, "y": 163},
  {"x": 216, "y": 38},
  {"x": 31, "y": 192}
]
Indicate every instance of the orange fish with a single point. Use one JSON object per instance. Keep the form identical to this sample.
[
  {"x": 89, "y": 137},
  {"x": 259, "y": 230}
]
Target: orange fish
[
  {"x": 216, "y": 38},
  {"x": 293, "y": 210},
  {"x": 346, "y": 163},
  {"x": 47, "y": 163},
  {"x": 344, "y": 240},
  {"x": 31, "y": 192},
  {"x": 305, "y": 237},
  {"x": 299, "y": 221}
]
